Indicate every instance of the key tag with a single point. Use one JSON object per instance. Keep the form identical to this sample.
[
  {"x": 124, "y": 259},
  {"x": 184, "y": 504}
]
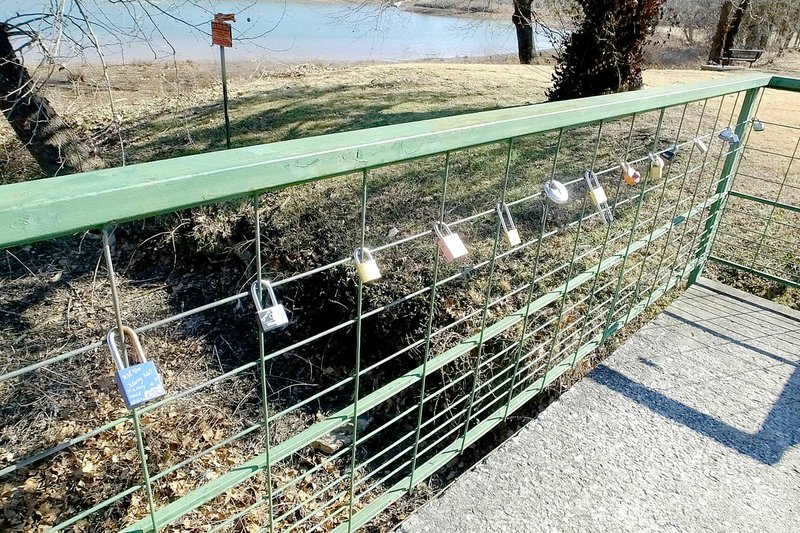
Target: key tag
[
  {"x": 449, "y": 243},
  {"x": 729, "y": 136},
  {"x": 137, "y": 383},
  {"x": 598, "y": 196},
  {"x": 366, "y": 266},
  {"x": 272, "y": 317},
  {"x": 630, "y": 174},
  {"x": 656, "y": 167},
  {"x": 698, "y": 142},
  {"x": 758, "y": 125},
  {"x": 512, "y": 235}
]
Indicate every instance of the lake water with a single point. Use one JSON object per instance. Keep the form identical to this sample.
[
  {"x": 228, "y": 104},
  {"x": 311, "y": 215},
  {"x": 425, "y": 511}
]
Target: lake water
[{"x": 290, "y": 32}]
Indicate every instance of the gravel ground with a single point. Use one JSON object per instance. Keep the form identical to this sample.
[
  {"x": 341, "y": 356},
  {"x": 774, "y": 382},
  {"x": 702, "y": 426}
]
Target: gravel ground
[{"x": 692, "y": 425}]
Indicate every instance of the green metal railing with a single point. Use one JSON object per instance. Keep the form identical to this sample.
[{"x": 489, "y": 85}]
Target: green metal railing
[{"x": 410, "y": 370}]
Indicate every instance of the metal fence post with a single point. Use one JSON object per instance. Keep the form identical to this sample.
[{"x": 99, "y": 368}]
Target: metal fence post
[{"x": 724, "y": 185}]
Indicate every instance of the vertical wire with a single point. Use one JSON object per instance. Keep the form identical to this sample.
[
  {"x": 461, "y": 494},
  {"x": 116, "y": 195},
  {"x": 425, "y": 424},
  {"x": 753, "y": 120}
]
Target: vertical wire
[
  {"x": 613, "y": 307},
  {"x": 486, "y": 298},
  {"x": 263, "y": 364},
  {"x": 137, "y": 426},
  {"x": 357, "y": 377},
  {"x": 532, "y": 286},
  {"x": 777, "y": 199},
  {"x": 700, "y": 235},
  {"x": 559, "y": 318},
  {"x": 677, "y": 203},
  {"x": 429, "y": 328},
  {"x": 596, "y": 276},
  {"x": 655, "y": 219},
  {"x": 692, "y": 204}
]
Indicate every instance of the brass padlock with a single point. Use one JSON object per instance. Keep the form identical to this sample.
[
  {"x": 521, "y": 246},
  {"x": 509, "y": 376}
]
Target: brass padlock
[
  {"x": 701, "y": 145},
  {"x": 512, "y": 235},
  {"x": 630, "y": 174},
  {"x": 449, "y": 243},
  {"x": 271, "y": 317},
  {"x": 366, "y": 266},
  {"x": 656, "y": 167}
]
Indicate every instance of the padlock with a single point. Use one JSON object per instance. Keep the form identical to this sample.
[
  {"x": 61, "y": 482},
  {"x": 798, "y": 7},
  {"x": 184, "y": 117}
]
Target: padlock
[
  {"x": 137, "y": 383},
  {"x": 758, "y": 125},
  {"x": 656, "y": 167},
  {"x": 630, "y": 174},
  {"x": 670, "y": 153},
  {"x": 598, "y": 196},
  {"x": 512, "y": 235},
  {"x": 271, "y": 317},
  {"x": 729, "y": 136},
  {"x": 366, "y": 266},
  {"x": 449, "y": 243},
  {"x": 701, "y": 145},
  {"x": 556, "y": 192}
]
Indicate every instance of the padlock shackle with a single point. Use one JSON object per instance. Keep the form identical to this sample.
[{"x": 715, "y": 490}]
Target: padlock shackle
[
  {"x": 362, "y": 254},
  {"x": 112, "y": 345},
  {"x": 505, "y": 217},
  {"x": 270, "y": 292},
  {"x": 437, "y": 229},
  {"x": 591, "y": 179}
]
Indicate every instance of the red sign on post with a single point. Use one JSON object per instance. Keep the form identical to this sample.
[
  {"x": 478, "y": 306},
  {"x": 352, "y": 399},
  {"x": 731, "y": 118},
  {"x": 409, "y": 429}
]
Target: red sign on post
[{"x": 221, "y": 33}]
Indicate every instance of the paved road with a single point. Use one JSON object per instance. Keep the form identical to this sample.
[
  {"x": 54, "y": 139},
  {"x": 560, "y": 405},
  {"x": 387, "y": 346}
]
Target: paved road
[{"x": 692, "y": 425}]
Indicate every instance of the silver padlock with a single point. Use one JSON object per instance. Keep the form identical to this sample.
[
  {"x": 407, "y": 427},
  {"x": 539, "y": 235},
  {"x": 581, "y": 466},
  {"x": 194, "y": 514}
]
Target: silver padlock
[
  {"x": 598, "y": 196},
  {"x": 656, "y": 167},
  {"x": 698, "y": 142},
  {"x": 449, "y": 243},
  {"x": 366, "y": 266},
  {"x": 512, "y": 235},
  {"x": 758, "y": 125},
  {"x": 137, "y": 383},
  {"x": 271, "y": 317},
  {"x": 556, "y": 192},
  {"x": 729, "y": 136}
]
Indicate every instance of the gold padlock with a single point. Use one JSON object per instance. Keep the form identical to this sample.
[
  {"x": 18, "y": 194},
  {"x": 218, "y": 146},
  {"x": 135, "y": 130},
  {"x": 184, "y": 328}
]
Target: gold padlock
[
  {"x": 656, "y": 167},
  {"x": 366, "y": 266},
  {"x": 512, "y": 235}
]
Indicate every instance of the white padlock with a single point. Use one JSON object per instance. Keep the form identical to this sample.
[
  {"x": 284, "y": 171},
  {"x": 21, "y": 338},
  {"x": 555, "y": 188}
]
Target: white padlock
[
  {"x": 271, "y": 317},
  {"x": 512, "y": 235},
  {"x": 701, "y": 145},
  {"x": 366, "y": 266},
  {"x": 656, "y": 167},
  {"x": 449, "y": 243}
]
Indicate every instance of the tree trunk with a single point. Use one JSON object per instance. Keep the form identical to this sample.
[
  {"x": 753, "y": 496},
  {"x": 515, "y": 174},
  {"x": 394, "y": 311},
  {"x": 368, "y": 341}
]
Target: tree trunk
[
  {"x": 733, "y": 29},
  {"x": 523, "y": 23},
  {"x": 715, "y": 53},
  {"x": 49, "y": 139}
]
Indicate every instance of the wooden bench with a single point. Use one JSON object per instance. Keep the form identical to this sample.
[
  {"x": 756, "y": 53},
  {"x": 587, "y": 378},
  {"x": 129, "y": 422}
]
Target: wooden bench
[{"x": 749, "y": 56}]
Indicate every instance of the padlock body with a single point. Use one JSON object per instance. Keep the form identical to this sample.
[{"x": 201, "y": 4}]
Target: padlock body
[
  {"x": 273, "y": 317},
  {"x": 598, "y": 196},
  {"x": 368, "y": 271},
  {"x": 656, "y": 168},
  {"x": 452, "y": 247},
  {"x": 631, "y": 176},
  {"x": 139, "y": 384},
  {"x": 513, "y": 238},
  {"x": 701, "y": 145}
]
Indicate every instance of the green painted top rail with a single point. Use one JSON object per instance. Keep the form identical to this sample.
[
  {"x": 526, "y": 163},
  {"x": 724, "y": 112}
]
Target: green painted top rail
[{"x": 54, "y": 207}]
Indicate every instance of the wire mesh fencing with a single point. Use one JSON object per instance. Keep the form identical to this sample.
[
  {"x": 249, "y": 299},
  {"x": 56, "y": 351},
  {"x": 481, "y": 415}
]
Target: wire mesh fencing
[{"x": 325, "y": 347}]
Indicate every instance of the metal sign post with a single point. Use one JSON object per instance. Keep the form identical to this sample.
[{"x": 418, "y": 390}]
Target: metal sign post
[{"x": 222, "y": 35}]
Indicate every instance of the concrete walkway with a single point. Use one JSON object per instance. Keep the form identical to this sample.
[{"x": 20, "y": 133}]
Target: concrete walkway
[{"x": 692, "y": 425}]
